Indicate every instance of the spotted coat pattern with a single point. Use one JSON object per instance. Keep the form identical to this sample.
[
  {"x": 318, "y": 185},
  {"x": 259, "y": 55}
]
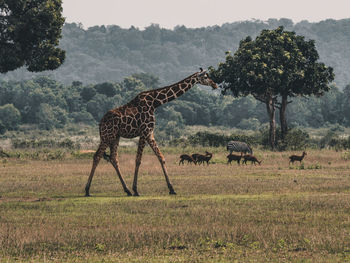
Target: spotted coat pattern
[{"x": 137, "y": 118}]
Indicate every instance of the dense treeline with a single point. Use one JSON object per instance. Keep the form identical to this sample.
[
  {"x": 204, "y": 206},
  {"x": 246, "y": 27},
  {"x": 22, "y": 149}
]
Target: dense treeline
[
  {"x": 109, "y": 53},
  {"x": 50, "y": 104}
]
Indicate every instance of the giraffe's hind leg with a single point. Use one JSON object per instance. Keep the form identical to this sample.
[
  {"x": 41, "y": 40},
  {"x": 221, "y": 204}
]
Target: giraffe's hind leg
[
  {"x": 97, "y": 156},
  {"x": 115, "y": 163},
  {"x": 152, "y": 142}
]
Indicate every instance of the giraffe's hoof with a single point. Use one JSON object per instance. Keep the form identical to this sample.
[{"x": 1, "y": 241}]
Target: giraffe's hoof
[
  {"x": 87, "y": 195},
  {"x": 172, "y": 192},
  {"x": 128, "y": 193},
  {"x": 136, "y": 194}
]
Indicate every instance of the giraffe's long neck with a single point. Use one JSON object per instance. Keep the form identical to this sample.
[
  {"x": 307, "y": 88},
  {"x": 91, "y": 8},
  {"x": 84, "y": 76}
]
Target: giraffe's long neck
[{"x": 169, "y": 93}]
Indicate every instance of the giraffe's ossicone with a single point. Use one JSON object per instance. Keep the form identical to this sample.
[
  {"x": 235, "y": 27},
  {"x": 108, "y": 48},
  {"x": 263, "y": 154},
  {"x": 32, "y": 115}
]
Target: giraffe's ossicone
[{"x": 136, "y": 118}]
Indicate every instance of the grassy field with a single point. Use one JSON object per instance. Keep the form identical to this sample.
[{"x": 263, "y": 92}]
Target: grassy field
[{"x": 221, "y": 213}]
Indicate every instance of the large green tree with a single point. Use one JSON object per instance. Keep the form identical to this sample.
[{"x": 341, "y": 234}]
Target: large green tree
[
  {"x": 29, "y": 34},
  {"x": 274, "y": 67}
]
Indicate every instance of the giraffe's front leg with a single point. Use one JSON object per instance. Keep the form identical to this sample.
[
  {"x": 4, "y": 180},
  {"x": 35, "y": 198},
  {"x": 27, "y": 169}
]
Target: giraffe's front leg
[
  {"x": 152, "y": 142},
  {"x": 97, "y": 156},
  {"x": 140, "y": 148}
]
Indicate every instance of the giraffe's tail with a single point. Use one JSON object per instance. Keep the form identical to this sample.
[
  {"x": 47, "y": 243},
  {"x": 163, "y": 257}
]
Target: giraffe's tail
[{"x": 107, "y": 157}]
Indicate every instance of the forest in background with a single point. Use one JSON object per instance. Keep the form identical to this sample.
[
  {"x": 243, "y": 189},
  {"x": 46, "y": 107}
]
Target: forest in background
[
  {"x": 111, "y": 53},
  {"x": 48, "y": 104},
  {"x": 107, "y": 66}
]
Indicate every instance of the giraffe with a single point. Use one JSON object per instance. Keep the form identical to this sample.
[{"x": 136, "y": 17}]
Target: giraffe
[{"x": 136, "y": 118}]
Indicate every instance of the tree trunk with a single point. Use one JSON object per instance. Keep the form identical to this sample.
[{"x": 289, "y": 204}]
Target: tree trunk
[
  {"x": 283, "y": 120},
  {"x": 271, "y": 111}
]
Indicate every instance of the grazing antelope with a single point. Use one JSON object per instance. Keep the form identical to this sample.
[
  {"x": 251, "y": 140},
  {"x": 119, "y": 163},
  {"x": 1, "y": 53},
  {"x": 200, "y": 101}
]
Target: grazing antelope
[
  {"x": 186, "y": 157},
  {"x": 233, "y": 157},
  {"x": 294, "y": 158},
  {"x": 195, "y": 157},
  {"x": 251, "y": 158},
  {"x": 204, "y": 158}
]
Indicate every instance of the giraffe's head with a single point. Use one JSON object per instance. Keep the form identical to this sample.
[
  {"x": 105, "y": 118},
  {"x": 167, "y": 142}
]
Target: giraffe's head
[{"x": 203, "y": 78}]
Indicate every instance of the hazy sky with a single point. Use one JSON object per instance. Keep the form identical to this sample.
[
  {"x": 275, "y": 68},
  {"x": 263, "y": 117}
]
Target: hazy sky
[{"x": 198, "y": 13}]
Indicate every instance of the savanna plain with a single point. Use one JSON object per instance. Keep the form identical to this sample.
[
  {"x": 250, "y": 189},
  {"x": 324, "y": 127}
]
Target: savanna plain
[{"x": 274, "y": 212}]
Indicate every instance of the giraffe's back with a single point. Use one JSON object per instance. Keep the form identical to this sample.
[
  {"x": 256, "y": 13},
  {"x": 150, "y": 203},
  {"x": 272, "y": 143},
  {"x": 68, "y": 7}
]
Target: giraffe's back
[{"x": 126, "y": 121}]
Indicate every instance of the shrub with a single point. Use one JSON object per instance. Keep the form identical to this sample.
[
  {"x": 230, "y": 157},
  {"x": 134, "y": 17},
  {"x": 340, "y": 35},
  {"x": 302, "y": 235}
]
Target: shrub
[
  {"x": 295, "y": 139},
  {"x": 67, "y": 143},
  {"x": 83, "y": 116},
  {"x": 216, "y": 140},
  {"x": 10, "y": 117},
  {"x": 208, "y": 139},
  {"x": 332, "y": 140},
  {"x": 50, "y": 117}
]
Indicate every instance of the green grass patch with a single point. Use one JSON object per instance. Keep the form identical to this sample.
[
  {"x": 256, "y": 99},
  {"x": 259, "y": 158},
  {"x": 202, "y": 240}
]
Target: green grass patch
[{"x": 222, "y": 213}]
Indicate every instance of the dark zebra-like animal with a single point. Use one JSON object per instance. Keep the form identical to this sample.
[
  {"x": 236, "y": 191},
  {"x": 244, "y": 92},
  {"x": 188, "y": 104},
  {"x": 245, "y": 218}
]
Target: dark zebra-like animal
[{"x": 240, "y": 147}]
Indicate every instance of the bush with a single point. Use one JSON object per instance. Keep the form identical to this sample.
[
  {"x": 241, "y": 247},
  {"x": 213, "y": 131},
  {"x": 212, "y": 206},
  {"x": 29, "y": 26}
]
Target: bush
[
  {"x": 295, "y": 139},
  {"x": 332, "y": 140},
  {"x": 83, "y": 116},
  {"x": 216, "y": 140},
  {"x": 51, "y": 117},
  {"x": 67, "y": 143},
  {"x": 208, "y": 139},
  {"x": 10, "y": 117}
]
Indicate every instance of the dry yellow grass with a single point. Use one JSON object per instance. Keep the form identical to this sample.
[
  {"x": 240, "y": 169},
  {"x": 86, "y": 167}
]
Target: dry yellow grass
[{"x": 273, "y": 212}]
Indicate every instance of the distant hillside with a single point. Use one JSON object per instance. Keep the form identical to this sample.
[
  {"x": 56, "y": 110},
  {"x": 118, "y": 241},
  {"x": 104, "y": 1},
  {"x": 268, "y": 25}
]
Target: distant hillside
[{"x": 110, "y": 53}]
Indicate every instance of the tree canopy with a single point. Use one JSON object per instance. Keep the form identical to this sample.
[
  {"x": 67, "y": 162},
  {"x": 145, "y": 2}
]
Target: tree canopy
[
  {"x": 29, "y": 35},
  {"x": 110, "y": 53},
  {"x": 276, "y": 65},
  {"x": 48, "y": 104}
]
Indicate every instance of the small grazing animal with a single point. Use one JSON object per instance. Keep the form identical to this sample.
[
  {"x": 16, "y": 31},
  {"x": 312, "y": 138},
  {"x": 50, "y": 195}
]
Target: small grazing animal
[
  {"x": 204, "y": 158},
  {"x": 195, "y": 157},
  {"x": 251, "y": 158},
  {"x": 294, "y": 158},
  {"x": 233, "y": 157},
  {"x": 186, "y": 157}
]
